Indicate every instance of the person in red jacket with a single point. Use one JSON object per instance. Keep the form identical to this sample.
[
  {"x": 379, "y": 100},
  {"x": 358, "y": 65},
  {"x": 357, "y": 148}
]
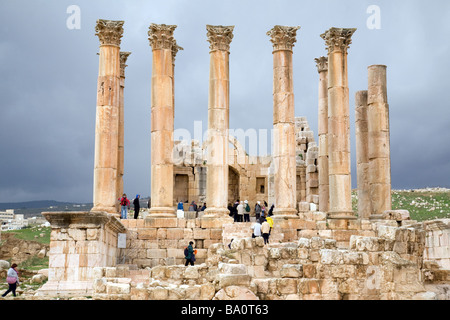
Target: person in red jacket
[{"x": 124, "y": 206}]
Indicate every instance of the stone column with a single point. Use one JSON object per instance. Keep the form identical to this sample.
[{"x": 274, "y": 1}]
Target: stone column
[
  {"x": 120, "y": 157},
  {"x": 283, "y": 39},
  {"x": 219, "y": 38},
  {"x": 324, "y": 194},
  {"x": 337, "y": 41},
  {"x": 362, "y": 155},
  {"x": 162, "y": 120},
  {"x": 107, "y": 116},
  {"x": 378, "y": 141}
]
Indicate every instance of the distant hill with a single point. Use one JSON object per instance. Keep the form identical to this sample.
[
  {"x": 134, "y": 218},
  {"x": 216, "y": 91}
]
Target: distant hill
[
  {"x": 34, "y": 208},
  {"x": 32, "y": 204}
]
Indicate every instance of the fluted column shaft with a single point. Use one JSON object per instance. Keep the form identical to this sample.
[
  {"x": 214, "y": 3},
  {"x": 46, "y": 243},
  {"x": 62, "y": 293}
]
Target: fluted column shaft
[
  {"x": 337, "y": 41},
  {"x": 107, "y": 116},
  {"x": 362, "y": 155},
  {"x": 162, "y": 120},
  {"x": 324, "y": 194},
  {"x": 218, "y": 120},
  {"x": 120, "y": 156},
  {"x": 283, "y": 39},
  {"x": 378, "y": 140}
]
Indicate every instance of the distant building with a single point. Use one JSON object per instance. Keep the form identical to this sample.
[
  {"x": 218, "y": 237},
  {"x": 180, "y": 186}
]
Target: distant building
[{"x": 11, "y": 221}]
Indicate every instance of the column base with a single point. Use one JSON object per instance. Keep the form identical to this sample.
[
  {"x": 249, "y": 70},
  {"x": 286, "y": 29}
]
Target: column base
[
  {"x": 350, "y": 215},
  {"x": 110, "y": 210},
  {"x": 216, "y": 213},
  {"x": 285, "y": 212},
  {"x": 162, "y": 212}
]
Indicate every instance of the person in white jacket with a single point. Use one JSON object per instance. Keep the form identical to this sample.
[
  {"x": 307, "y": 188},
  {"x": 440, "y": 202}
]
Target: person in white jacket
[{"x": 12, "y": 277}]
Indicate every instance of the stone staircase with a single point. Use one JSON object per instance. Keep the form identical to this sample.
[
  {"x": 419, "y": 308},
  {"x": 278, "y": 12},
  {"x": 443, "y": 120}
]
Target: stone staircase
[{"x": 239, "y": 230}]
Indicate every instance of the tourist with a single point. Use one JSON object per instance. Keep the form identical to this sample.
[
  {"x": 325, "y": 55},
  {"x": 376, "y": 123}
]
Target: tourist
[
  {"x": 240, "y": 211},
  {"x": 257, "y": 210},
  {"x": 203, "y": 207},
  {"x": 124, "y": 206},
  {"x": 256, "y": 229},
  {"x": 270, "y": 221},
  {"x": 271, "y": 209},
  {"x": 247, "y": 212},
  {"x": 193, "y": 206},
  {"x": 149, "y": 203},
  {"x": 189, "y": 254},
  {"x": 265, "y": 229},
  {"x": 230, "y": 208},
  {"x": 137, "y": 206},
  {"x": 263, "y": 211},
  {"x": 12, "y": 277},
  {"x": 180, "y": 206},
  {"x": 235, "y": 212}
]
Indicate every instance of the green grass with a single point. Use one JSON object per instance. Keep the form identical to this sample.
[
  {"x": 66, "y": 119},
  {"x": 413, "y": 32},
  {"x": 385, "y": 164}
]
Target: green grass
[
  {"x": 33, "y": 234},
  {"x": 422, "y": 205}
]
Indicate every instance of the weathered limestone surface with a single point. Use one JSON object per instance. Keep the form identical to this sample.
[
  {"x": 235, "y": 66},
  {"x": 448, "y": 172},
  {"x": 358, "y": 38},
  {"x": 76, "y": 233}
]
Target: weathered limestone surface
[
  {"x": 337, "y": 41},
  {"x": 283, "y": 39},
  {"x": 120, "y": 156},
  {"x": 362, "y": 155},
  {"x": 382, "y": 267},
  {"x": 219, "y": 38},
  {"x": 324, "y": 193},
  {"x": 162, "y": 119},
  {"x": 79, "y": 242},
  {"x": 107, "y": 116},
  {"x": 378, "y": 140}
]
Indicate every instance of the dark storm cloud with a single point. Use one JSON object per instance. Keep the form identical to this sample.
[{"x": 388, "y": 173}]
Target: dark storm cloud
[{"x": 49, "y": 78}]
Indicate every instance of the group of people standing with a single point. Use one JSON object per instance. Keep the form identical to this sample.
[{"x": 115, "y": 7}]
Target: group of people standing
[
  {"x": 263, "y": 228},
  {"x": 240, "y": 210},
  {"x": 125, "y": 205}
]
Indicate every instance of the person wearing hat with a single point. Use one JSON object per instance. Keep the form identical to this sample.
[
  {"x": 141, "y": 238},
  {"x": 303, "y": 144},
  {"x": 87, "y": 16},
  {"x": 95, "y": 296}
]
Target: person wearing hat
[
  {"x": 240, "y": 211},
  {"x": 246, "y": 212}
]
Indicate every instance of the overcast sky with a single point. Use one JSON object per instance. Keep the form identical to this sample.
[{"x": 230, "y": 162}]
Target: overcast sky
[{"x": 49, "y": 79}]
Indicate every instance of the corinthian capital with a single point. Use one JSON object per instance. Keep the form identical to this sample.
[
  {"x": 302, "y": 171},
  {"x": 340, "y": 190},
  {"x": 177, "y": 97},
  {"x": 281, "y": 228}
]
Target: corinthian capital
[
  {"x": 109, "y": 32},
  {"x": 338, "y": 39},
  {"x": 219, "y": 37},
  {"x": 282, "y": 37},
  {"x": 175, "y": 49},
  {"x": 322, "y": 64},
  {"x": 161, "y": 36},
  {"x": 123, "y": 61}
]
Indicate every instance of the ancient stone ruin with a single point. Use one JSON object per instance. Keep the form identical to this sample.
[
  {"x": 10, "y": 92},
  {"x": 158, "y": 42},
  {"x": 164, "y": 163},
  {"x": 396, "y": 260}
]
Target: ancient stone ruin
[{"x": 319, "y": 247}]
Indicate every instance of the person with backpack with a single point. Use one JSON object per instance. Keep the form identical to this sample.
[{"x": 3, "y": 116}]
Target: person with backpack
[
  {"x": 12, "y": 277},
  {"x": 247, "y": 212},
  {"x": 189, "y": 254},
  {"x": 137, "y": 206},
  {"x": 124, "y": 206}
]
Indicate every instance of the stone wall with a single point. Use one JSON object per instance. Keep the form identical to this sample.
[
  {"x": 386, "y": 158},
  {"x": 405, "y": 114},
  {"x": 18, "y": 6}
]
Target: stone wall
[
  {"x": 79, "y": 241},
  {"x": 161, "y": 241},
  {"x": 387, "y": 266},
  {"x": 437, "y": 244}
]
